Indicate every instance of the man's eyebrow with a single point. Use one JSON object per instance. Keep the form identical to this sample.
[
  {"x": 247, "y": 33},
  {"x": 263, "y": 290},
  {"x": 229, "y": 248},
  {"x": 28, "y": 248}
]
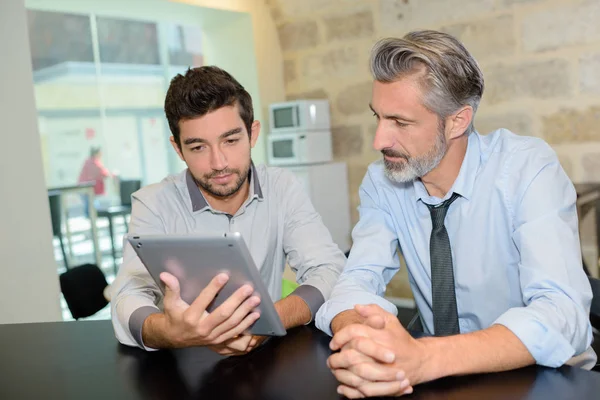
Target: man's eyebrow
[
  {"x": 391, "y": 116},
  {"x": 230, "y": 132}
]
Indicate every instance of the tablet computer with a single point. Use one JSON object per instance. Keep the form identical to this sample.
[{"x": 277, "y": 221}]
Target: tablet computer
[{"x": 196, "y": 259}]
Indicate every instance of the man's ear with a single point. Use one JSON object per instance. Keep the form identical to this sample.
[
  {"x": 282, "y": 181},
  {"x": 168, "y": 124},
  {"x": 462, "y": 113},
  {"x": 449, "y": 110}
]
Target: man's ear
[
  {"x": 176, "y": 147},
  {"x": 458, "y": 122},
  {"x": 254, "y": 132}
]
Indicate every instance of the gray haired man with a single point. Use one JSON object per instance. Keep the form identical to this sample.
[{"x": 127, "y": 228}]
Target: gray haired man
[{"x": 487, "y": 226}]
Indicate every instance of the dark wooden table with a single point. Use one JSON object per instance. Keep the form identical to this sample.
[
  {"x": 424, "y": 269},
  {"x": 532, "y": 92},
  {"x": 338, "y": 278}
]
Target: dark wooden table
[{"x": 82, "y": 360}]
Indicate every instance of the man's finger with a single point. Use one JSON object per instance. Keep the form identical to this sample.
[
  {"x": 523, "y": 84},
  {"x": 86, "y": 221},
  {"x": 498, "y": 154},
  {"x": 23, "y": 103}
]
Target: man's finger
[
  {"x": 345, "y": 377},
  {"x": 375, "y": 322},
  {"x": 369, "y": 310},
  {"x": 229, "y": 306},
  {"x": 238, "y": 330},
  {"x": 375, "y": 372},
  {"x": 172, "y": 290},
  {"x": 346, "y": 359},
  {"x": 372, "y": 349},
  {"x": 239, "y": 344},
  {"x": 171, "y": 283},
  {"x": 349, "y": 392},
  {"x": 238, "y": 316},
  {"x": 220, "y": 349},
  {"x": 397, "y": 388},
  {"x": 348, "y": 333},
  {"x": 206, "y": 296}
]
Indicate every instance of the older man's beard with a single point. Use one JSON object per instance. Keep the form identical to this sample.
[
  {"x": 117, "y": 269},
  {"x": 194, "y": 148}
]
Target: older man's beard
[{"x": 415, "y": 167}]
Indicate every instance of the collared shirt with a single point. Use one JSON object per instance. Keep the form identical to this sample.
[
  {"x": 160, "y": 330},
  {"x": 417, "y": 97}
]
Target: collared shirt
[
  {"x": 515, "y": 247},
  {"x": 277, "y": 221}
]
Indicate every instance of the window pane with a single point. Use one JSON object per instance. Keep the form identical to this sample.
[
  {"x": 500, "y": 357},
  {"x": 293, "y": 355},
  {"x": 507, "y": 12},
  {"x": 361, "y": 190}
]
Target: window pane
[
  {"x": 127, "y": 42},
  {"x": 56, "y": 38}
]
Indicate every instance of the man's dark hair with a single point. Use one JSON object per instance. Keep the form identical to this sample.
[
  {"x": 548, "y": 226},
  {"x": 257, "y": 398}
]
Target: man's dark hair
[
  {"x": 203, "y": 90},
  {"x": 94, "y": 151}
]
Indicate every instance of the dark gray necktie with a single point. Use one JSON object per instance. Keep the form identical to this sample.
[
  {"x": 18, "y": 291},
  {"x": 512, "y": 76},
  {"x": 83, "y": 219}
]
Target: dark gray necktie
[{"x": 445, "y": 315}]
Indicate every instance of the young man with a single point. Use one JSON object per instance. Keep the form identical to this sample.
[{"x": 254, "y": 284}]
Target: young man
[
  {"x": 487, "y": 226},
  {"x": 211, "y": 118}
]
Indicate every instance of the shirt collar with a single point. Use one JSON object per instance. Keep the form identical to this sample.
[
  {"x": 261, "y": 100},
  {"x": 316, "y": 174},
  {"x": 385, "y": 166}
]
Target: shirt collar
[
  {"x": 463, "y": 185},
  {"x": 199, "y": 201}
]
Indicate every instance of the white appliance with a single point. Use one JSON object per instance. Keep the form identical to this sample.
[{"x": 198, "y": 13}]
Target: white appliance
[
  {"x": 298, "y": 148},
  {"x": 327, "y": 186},
  {"x": 299, "y": 115}
]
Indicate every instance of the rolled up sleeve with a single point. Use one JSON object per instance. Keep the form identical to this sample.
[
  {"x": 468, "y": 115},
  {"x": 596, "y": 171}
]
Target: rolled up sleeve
[
  {"x": 372, "y": 263},
  {"x": 554, "y": 323}
]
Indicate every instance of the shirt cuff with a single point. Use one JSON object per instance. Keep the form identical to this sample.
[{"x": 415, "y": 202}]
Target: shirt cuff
[
  {"x": 347, "y": 301},
  {"x": 312, "y": 297},
  {"x": 548, "y": 348},
  {"x": 136, "y": 322}
]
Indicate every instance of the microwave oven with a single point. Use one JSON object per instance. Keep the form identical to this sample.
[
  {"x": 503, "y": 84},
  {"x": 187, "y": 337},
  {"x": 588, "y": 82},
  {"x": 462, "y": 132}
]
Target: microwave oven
[
  {"x": 299, "y": 148},
  {"x": 299, "y": 116}
]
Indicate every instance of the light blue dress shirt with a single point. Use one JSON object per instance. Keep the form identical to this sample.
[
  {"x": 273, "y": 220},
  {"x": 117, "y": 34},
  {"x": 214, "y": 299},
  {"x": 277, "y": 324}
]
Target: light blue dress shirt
[{"x": 515, "y": 247}]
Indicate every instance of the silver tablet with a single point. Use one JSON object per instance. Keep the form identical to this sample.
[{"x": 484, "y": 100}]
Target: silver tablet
[{"x": 196, "y": 259}]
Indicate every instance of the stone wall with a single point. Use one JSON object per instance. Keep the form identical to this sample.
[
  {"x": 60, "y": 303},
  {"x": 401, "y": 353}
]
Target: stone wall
[{"x": 540, "y": 58}]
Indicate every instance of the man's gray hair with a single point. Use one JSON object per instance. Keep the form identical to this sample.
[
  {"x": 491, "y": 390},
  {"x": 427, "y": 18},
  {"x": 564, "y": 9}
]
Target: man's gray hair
[{"x": 451, "y": 79}]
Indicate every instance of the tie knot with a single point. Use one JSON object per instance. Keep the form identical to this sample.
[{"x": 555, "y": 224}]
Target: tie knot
[{"x": 438, "y": 213}]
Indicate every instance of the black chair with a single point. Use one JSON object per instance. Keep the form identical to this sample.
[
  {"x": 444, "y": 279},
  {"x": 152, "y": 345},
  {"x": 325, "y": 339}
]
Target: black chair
[
  {"x": 83, "y": 289},
  {"x": 56, "y": 216},
  {"x": 126, "y": 189}
]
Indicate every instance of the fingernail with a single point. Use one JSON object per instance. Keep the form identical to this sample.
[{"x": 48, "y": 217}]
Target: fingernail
[
  {"x": 400, "y": 376},
  {"x": 254, "y": 301},
  {"x": 409, "y": 390},
  {"x": 222, "y": 278},
  {"x": 248, "y": 290},
  {"x": 339, "y": 390},
  {"x": 405, "y": 383},
  {"x": 389, "y": 357}
]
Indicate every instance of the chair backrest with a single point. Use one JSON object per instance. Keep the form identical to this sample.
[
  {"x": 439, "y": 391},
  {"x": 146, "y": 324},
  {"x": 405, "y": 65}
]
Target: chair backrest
[
  {"x": 126, "y": 188},
  {"x": 595, "y": 308},
  {"x": 55, "y": 212},
  {"x": 83, "y": 289}
]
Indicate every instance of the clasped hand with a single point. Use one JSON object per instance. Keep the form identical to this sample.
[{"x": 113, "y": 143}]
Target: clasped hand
[{"x": 376, "y": 358}]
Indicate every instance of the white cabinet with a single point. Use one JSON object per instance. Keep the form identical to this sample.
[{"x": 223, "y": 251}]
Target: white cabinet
[{"x": 327, "y": 186}]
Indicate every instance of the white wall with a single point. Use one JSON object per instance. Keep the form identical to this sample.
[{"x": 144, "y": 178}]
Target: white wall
[{"x": 28, "y": 278}]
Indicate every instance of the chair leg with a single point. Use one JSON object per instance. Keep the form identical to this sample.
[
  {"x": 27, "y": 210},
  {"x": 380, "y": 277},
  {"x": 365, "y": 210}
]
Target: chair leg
[
  {"x": 125, "y": 223},
  {"x": 112, "y": 243},
  {"x": 62, "y": 247}
]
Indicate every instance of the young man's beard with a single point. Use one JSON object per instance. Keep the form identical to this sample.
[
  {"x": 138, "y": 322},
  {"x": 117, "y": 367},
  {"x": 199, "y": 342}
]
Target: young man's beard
[{"x": 223, "y": 191}]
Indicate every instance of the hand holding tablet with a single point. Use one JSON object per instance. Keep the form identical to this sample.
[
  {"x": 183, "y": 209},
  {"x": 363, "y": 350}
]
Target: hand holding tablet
[{"x": 213, "y": 291}]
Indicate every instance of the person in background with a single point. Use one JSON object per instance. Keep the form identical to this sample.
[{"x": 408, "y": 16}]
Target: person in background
[
  {"x": 93, "y": 170},
  {"x": 487, "y": 225}
]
